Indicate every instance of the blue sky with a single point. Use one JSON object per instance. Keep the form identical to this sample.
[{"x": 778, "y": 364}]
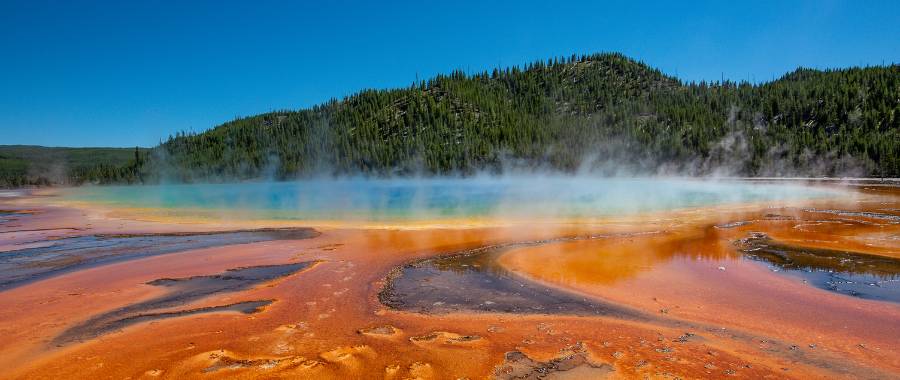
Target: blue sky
[{"x": 126, "y": 73}]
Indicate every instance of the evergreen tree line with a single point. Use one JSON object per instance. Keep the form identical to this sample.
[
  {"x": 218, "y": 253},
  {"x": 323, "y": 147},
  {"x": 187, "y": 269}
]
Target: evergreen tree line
[
  {"x": 599, "y": 113},
  {"x": 28, "y": 166}
]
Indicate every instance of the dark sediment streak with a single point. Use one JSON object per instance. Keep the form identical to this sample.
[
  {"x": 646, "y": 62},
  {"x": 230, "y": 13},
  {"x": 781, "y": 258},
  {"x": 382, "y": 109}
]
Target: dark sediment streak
[
  {"x": 183, "y": 291},
  {"x": 860, "y": 214},
  {"x": 20, "y": 267},
  {"x": 6, "y": 216},
  {"x": 473, "y": 281},
  {"x": 247, "y": 307},
  {"x": 851, "y": 273}
]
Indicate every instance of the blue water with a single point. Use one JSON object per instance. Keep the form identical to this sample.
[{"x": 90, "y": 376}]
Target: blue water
[{"x": 407, "y": 199}]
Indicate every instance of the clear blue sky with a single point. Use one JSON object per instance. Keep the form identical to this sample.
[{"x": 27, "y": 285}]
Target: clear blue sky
[{"x": 126, "y": 73}]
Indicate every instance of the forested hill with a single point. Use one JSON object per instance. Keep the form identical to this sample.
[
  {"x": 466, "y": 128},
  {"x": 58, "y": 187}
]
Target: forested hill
[
  {"x": 603, "y": 113},
  {"x": 29, "y": 165}
]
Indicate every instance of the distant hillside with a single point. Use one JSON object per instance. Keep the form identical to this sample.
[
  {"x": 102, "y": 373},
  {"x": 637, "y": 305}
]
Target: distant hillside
[
  {"x": 602, "y": 113},
  {"x": 28, "y": 165}
]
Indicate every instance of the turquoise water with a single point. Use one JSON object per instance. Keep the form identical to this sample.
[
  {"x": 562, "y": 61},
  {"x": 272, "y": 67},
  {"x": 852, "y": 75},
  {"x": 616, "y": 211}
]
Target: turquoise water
[{"x": 406, "y": 199}]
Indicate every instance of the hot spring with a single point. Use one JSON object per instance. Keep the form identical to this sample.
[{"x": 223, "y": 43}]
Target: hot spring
[
  {"x": 359, "y": 278},
  {"x": 437, "y": 199}
]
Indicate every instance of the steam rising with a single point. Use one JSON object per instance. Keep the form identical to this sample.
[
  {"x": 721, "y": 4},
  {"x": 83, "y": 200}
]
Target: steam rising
[{"x": 518, "y": 197}]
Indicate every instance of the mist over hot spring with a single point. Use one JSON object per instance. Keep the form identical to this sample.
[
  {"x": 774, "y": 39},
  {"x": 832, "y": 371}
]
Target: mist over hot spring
[{"x": 546, "y": 196}]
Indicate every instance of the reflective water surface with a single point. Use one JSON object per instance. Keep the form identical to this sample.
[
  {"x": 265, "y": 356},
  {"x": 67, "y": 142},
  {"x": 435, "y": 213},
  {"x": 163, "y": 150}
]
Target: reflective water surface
[{"x": 425, "y": 199}]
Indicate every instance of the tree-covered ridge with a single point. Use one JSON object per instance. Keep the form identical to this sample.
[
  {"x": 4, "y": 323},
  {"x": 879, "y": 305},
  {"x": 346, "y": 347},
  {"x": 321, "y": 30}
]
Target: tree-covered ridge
[
  {"x": 28, "y": 165},
  {"x": 581, "y": 112},
  {"x": 603, "y": 112}
]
